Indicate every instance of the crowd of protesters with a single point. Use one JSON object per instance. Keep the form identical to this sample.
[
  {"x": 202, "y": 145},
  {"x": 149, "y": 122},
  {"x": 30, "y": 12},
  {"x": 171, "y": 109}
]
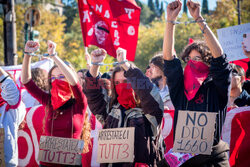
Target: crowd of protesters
[{"x": 208, "y": 83}]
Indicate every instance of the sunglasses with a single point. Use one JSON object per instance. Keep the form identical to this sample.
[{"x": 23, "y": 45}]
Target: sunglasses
[{"x": 59, "y": 77}]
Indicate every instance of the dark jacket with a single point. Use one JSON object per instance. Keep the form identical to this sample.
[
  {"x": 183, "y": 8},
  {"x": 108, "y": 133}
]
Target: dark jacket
[
  {"x": 212, "y": 95},
  {"x": 246, "y": 86},
  {"x": 145, "y": 119},
  {"x": 243, "y": 99}
]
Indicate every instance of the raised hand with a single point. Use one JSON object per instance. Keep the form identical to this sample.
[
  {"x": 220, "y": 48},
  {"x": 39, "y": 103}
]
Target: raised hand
[
  {"x": 51, "y": 47},
  {"x": 98, "y": 55},
  {"x": 121, "y": 55},
  {"x": 173, "y": 10},
  {"x": 31, "y": 46},
  {"x": 194, "y": 9}
]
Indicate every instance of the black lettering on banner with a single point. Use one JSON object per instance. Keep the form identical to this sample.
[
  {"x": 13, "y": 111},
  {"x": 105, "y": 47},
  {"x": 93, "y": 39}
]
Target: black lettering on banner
[
  {"x": 183, "y": 132},
  {"x": 205, "y": 122},
  {"x": 186, "y": 148},
  {"x": 205, "y": 147},
  {"x": 195, "y": 146},
  {"x": 190, "y": 118},
  {"x": 180, "y": 143}
]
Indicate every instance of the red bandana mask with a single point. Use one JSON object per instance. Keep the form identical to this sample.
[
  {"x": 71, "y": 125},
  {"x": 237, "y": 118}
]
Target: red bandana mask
[
  {"x": 126, "y": 95},
  {"x": 194, "y": 74},
  {"x": 60, "y": 93}
]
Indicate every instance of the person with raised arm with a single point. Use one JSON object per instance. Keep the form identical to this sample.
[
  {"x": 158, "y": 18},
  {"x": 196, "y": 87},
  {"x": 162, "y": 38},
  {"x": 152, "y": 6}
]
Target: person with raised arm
[
  {"x": 65, "y": 103},
  {"x": 204, "y": 84},
  {"x": 135, "y": 102},
  {"x": 12, "y": 113}
]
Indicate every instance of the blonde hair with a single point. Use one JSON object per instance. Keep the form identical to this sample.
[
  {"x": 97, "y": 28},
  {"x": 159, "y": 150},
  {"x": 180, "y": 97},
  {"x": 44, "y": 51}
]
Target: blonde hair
[{"x": 86, "y": 133}]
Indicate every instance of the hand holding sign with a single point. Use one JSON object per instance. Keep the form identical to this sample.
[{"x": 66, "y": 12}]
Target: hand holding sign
[
  {"x": 173, "y": 10},
  {"x": 98, "y": 55},
  {"x": 31, "y": 46},
  {"x": 194, "y": 9}
]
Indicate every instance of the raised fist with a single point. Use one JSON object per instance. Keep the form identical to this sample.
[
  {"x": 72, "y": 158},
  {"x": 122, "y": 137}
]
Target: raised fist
[
  {"x": 194, "y": 9},
  {"x": 121, "y": 55},
  {"x": 98, "y": 55},
  {"x": 173, "y": 10},
  {"x": 51, "y": 47},
  {"x": 31, "y": 46}
]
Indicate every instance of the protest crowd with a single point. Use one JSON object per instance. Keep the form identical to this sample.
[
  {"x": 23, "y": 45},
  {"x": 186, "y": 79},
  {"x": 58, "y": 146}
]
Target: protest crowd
[{"x": 173, "y": 115}]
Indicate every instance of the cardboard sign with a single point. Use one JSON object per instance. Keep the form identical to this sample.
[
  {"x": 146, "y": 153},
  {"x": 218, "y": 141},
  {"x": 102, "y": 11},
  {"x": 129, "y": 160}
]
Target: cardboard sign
[
  {"x": 231, "y": 38},
  {"x": 2, "y": 161},
  {"x": 194, "y": 132},
  {"x": 60, "y": 150},
  {"x": 116, "y": 145}
]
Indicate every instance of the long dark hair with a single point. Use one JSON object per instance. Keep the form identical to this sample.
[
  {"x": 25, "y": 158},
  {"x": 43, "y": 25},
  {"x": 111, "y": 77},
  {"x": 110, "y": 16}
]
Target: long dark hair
[{"x": 113, "y": 91}]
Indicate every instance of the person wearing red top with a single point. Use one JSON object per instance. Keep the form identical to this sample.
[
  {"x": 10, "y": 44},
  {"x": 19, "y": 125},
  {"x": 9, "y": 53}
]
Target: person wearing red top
[{"x": 65, "y": 103}]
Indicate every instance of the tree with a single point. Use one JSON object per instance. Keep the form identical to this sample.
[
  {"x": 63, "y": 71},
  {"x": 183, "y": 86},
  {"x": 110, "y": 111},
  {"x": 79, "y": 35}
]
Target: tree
[
  {"x": 70, "y": 11},
  {"x": 204, "y": 9},
  {"x": 185, "y": 6}
]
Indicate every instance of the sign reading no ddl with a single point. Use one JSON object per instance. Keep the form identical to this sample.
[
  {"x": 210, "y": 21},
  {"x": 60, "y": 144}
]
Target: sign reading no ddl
[
  {"x": 231, "y": 38},
  {"x": 60, "y": 150},
  {"x": 116, "y": 145},
  {"x": 194, "y": 132}
]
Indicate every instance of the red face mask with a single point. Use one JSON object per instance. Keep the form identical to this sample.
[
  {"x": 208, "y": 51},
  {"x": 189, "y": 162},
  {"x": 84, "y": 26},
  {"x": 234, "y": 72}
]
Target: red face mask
[
  {"x": 126, "y": 95},
  {"x": 60, "y": 93},
  {"x": 194, "y": 74}
]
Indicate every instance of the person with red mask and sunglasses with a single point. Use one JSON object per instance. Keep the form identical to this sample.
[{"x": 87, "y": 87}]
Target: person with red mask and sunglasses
[
  {"x": 135, "y": 102},
  {"x": 65, "y": 103},
  {"x": 204, "y": 84}
]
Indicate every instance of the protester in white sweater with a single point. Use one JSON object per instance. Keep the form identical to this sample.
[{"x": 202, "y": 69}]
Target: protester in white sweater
[{"x": 12, "y": 113}]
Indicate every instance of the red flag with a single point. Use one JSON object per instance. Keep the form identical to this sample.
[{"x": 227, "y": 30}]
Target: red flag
[{"x": 110, "y": 24}]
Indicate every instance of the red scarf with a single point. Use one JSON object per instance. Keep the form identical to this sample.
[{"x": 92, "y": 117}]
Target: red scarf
[
  {"x": 60, "y": 93},
  {"x": 194, "y": 74},
  {"x": 126, "y": 95}
]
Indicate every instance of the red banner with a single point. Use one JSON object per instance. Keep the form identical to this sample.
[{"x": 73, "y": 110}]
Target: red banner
[
  {"x": 110, "y": 24},
  {"x": 167, "y": 129},
  {"x": 236, "y": 133}
]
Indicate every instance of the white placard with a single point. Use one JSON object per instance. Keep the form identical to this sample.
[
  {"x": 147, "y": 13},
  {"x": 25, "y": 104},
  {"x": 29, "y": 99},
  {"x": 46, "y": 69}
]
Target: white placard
[
  {"x": 116, "y": 145},
  {"x": 194, "y": 132},
  {"x": 60, "y": 150},
  {"x": 231, "y": 38}
]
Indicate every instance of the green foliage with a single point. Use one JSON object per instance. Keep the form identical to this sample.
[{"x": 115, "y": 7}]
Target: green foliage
[
  {"x": 204, "y": 9},
  {"x": 146, "y": 14},
  {"x": 70, "y": 11},
  {"x": 185, "y": 6}
]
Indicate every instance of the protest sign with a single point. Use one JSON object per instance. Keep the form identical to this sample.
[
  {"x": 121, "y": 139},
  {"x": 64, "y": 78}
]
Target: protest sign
[
  {"x": 2, "y": 161},
  {"x": 116, "y": 145},
  {"x": 60, "y": 150},
  {"x": 231, "y": 38},
  {"x": 194, "y": 132}
]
